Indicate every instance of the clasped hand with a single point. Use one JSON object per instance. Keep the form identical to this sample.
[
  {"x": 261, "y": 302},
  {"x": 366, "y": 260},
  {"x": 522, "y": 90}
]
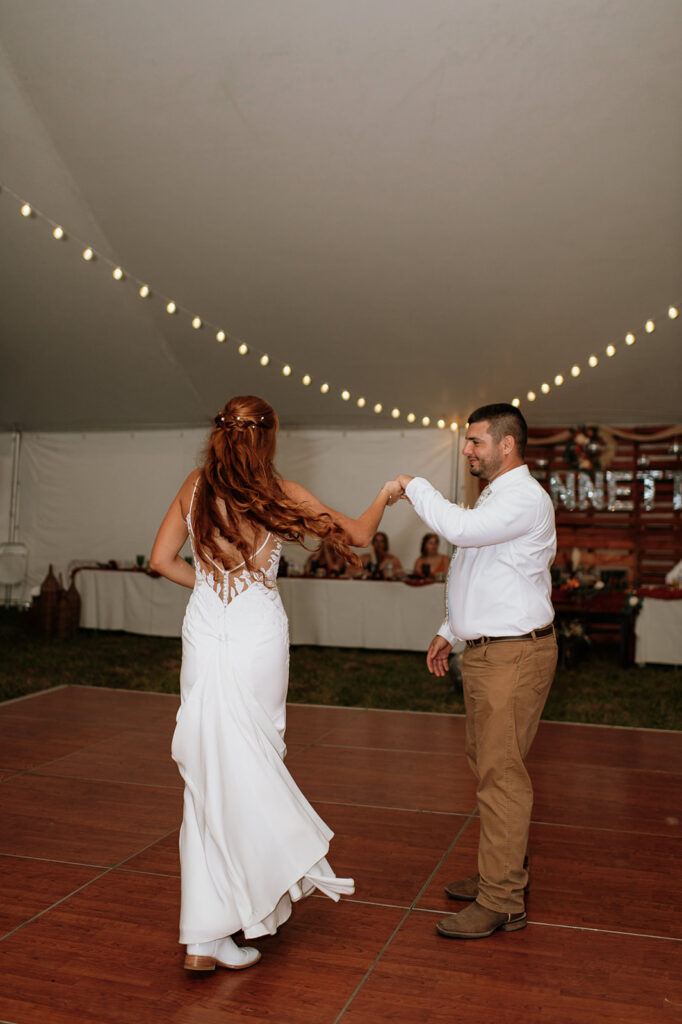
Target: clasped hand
[{"x": 396, "y": 489}]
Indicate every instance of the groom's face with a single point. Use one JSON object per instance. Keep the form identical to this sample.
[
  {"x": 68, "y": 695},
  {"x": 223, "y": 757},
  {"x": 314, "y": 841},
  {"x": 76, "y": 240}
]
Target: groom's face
[{"x": 484, "y": 455}]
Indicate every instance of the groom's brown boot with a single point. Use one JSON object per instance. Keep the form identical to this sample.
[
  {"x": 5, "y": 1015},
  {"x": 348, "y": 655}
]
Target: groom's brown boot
[{"x": 477, "y": 922}]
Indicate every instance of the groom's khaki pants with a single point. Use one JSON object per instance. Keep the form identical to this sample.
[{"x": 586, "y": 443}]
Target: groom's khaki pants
[{"x": 505, "y": 688}]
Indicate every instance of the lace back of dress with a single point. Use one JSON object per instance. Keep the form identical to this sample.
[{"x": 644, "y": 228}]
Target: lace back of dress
[{"x": 229, "y": 583}]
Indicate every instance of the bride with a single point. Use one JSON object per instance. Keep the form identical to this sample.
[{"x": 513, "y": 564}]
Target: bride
[{"x": 250, "y": 842}]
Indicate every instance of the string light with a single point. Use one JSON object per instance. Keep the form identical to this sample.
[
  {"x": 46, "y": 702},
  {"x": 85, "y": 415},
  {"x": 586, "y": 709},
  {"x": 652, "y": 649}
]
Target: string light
[
  {"x": 454, "y": 427},
  {"x": 88, "y": 254}
]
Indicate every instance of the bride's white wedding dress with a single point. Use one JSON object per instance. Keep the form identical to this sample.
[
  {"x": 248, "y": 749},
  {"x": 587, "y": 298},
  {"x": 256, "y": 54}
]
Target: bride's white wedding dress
[{"x": 250, "y": 843}]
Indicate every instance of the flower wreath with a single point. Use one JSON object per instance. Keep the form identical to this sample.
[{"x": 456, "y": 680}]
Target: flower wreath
[{"x": 589, "y": 447}]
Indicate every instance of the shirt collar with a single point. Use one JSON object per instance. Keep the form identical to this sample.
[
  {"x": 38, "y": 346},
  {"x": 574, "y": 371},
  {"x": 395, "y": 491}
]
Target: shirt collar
[{"x": 512, "y": 476}]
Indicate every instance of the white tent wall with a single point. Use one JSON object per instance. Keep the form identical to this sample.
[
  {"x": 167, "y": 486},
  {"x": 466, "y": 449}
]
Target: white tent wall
[
  {"x": 6, "y": 456},
  {"x": 101, "y": 495}
]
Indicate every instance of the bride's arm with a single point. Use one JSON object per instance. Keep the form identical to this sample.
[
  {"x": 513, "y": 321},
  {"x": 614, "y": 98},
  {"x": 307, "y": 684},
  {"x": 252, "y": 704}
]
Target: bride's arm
[
  {"x": 358, "y": 531},
  {"x": 165, "y": 557}
]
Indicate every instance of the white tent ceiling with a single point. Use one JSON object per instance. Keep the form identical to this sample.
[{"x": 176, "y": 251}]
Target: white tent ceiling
[{"x": 433, "y": 204}]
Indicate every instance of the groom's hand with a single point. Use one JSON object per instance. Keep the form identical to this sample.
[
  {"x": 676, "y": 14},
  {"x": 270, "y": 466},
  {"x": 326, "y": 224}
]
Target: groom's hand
[
  {"x": 437, "y": 656},
  {"x": 404, "y": 480}
]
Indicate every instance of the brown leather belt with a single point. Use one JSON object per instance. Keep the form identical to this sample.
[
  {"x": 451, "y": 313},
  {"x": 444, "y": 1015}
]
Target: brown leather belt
[{"x": 535, "y": 634}]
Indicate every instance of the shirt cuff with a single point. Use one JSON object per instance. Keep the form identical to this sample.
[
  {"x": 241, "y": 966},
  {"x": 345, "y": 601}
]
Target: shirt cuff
[{"x": 447, "y": 633}]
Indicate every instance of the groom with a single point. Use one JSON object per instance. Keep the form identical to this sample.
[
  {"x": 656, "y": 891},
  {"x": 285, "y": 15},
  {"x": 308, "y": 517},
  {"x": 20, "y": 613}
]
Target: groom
[{"x": 499, "y": 602}]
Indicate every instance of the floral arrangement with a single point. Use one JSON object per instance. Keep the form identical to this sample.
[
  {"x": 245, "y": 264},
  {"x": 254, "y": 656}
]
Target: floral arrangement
[{"x": 583, "y": 448}]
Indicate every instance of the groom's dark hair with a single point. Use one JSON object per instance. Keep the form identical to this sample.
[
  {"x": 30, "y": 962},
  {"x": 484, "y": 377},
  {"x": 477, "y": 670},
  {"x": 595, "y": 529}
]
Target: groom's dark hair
[{"x": 504, "y": 419}]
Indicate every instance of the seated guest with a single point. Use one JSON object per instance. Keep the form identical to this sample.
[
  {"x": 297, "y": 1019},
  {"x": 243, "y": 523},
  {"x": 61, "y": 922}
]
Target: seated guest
[
  {"x": 430, "y": 562},
  {"x": 381, "y": 563},
  {"x": 324, "y": 559}
]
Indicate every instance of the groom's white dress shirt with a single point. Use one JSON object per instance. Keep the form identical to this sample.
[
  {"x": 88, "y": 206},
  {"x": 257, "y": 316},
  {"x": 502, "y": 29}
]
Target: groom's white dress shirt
[{"x": 499, "y": 581}]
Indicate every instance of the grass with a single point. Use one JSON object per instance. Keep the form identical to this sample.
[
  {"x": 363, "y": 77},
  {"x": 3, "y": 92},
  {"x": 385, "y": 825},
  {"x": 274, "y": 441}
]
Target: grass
[{"x": 598, "y": 692}]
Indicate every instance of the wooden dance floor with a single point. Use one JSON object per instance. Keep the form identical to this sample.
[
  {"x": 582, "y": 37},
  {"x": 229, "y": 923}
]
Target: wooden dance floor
[{"x": 90, "y": 804}]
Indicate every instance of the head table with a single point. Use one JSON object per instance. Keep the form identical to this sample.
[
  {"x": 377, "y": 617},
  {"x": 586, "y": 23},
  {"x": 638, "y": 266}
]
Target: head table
[
  {"x": 325, "y": 612},
  {"x": 337, "y": 612}
]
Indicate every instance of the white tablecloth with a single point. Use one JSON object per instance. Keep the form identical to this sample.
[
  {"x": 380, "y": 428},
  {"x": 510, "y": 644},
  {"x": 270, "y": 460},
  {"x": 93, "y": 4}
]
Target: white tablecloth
[
  {"x": 328, "y": 613},
  {"x": 658, "y": 632}
]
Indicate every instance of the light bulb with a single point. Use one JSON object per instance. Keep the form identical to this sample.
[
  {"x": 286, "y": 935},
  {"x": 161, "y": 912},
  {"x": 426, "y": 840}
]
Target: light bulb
[
  {"x": 395, "y": 413},
  {"x": 630, "y": 338},
  {"x": 531, "y": 396},
  {"x": 286, "y": 370},
  {"x": 345, "y": 395},
  {"x": 220, "y": 336},
  {"x": 117, "y": 274},
  {"x": 58, "y": 232},
  {"x": 411, "y": 417},
  {"x": 426, "y": 420},
  {"x": 264, "y": 360},
  {"x": 516, "y": 402},
  {"x": 171, "y": 308},
  {"x": 324, "y": 388},
  {"x": 544, "y": 388},
  {"x": 673, "y": 312},
  {"x": 378, "y": 407},
  {"x": 593, "y": 360},
  {"x": 144, "y": 291},
  {"x": 361, "y": 403},
  {"x": 26, "y": 210},
  {"x": 558, "y": 380},
  {"x": 649, "y": 326},
  {"x": 196, "y": 323},
  {"x": 440, "y": 424},
  {"x": 306, "y": 379},
  {"x": 575, "y": 371},
  {"x": 243, "y": 349},
  {"x": 454, "y": 427},
  {"x": 88, "y": 254},
  {"x": 610, "y": 350}
]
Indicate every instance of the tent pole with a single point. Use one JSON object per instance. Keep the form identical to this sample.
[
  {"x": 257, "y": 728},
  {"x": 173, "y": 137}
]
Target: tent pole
[{"x": 13, "y": 502}]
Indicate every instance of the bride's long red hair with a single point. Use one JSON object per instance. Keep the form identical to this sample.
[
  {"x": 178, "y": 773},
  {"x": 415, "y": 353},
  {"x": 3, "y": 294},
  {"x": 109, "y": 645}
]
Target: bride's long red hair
[{"x": 239, "y": 471}]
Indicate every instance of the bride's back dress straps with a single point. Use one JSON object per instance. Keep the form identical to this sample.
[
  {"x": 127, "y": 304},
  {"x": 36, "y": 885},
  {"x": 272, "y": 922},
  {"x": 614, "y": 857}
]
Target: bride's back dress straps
[{"x": 230, "y": 583}]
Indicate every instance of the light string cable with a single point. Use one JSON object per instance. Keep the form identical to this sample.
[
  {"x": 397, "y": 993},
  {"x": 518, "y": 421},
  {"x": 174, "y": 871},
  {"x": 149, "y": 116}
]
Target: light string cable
[{"x": 198, "y": 323}]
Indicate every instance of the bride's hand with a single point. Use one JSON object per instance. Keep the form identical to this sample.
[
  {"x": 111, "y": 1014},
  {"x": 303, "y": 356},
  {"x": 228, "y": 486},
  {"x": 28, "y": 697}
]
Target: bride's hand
[{"x": 393, "y": 491}]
